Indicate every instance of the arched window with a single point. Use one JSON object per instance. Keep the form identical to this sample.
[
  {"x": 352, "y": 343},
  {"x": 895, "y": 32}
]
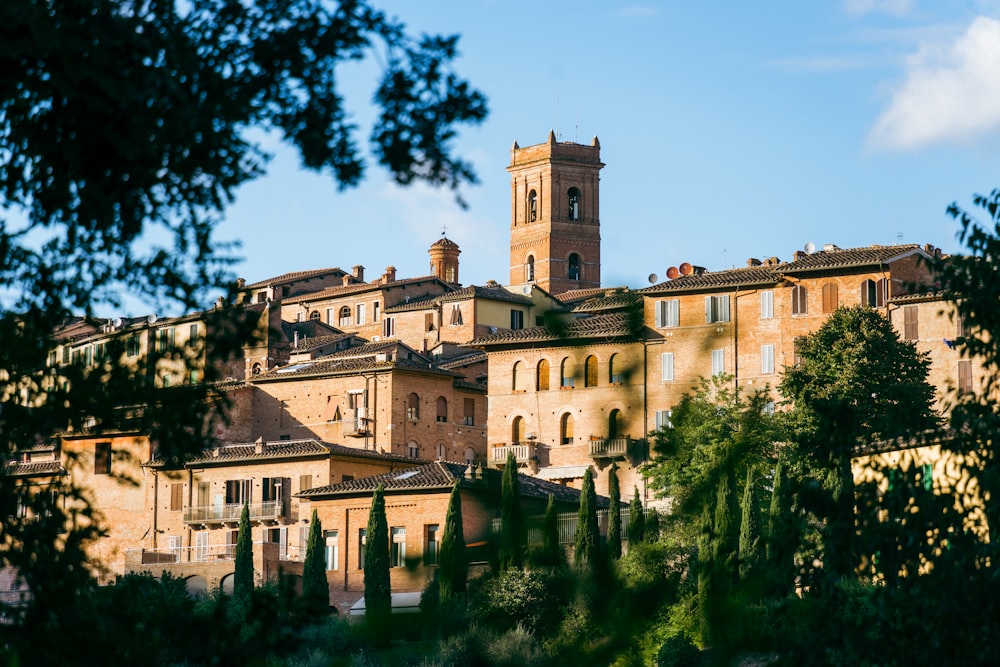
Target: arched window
[
  {"x": 413, "y": 407},
  {"x": 615, "y": 424},
  {"x": 345, "y": 316},
  {"x": 449, "y": 274},
  {"x": 614, "y": 377},
  {"x": 532, "y": 206},
  {"x": 255, "y": 370},
  {"x": 516, "y": 376},
  {"x": 800, "y": 300},
  {"x": 413, "y": 449},
  {"x": 314, "y": 315},
  {"x": 590, "y": 371},
  {"x": 542, "y": 375},
  {"x": 442, "y": 409},
  {"x": 529, "y": 269},
  {"x": 442, "y": 452},
  {"x": 566, "y": 373},
  {"x": 830, "y": 297},
  {"x": 566, "y": 429},
  {"x": 470, "y": 456},
  {"x": 517, "y": 431},
  {"x": 574, "y": 204},
  {"x": 574, "y": 267}
]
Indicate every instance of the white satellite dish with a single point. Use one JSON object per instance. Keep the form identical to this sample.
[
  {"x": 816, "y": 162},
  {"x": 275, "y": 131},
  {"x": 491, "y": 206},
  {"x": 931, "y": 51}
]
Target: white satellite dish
[
  {"x": 526, "y": 289},
  {"x": 810, "y": 248},
  {"x": 652, "y": 278},
  {"x": 151, "y": 319},
  {"x": 117, "y": 323}
]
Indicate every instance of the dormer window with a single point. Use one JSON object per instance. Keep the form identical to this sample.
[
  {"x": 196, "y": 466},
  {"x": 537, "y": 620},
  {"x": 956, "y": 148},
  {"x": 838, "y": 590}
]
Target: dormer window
[
  {"x": 532, "y": 206},
  {"x": 574, "y": 204}
]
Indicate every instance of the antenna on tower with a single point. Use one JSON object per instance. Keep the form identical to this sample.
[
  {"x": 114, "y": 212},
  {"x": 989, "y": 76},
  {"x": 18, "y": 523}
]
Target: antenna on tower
[{"x": 444, "y": 230}]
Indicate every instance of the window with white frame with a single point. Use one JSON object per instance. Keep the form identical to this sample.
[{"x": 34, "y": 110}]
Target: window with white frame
[
  {"x": 800, "y": 300},
  {"x": 330, "y": 317},
  {"x": 359, "y": 314},
  {"x": 433, "y": 537},
  {"x": 389, "y": 327},
  {"x": 766, "y": 359},
  {"x": 717, "y": 308},
  {"x": 331, "y": 541},
  {"x": 718, "y": 362},
  {"x": 668, "y": 313},
  {"x": 663, "y": 419},
  {"x": 397, "y": 546},
  {"x": 767, "y": 304},
  {"x": 667, "y": 366}
]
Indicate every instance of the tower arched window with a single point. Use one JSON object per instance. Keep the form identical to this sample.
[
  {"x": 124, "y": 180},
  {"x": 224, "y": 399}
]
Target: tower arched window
[
  {"x": 590, "y": 371},
  {"x": 566, "y": 429},
  {"x": 515, "y": 376},
  {"x": 614, "y": 376},
  {"x": 345, "y": 316},
  {"x": 517, "y": 431},
  {"x": 573, "y": 272},
  {"x": 442, "y": 409},
  {"x": 529, "y": 269},
  {"x": 615, "y": 424},
  {"x": 574, "y": 204},
  {"x": 413, "y": 407},
  {"x": 314, "y": 315},
  {"x": 532, "y": 206},
  {"x": 566, "y": 373},
  {"x": 542, "y": 375}
]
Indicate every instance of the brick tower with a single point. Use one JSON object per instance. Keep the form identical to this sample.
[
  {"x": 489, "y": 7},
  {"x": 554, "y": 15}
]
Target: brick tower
[
  {"x": 444, "y": 259},
  {"x": 555, "y": 232}
]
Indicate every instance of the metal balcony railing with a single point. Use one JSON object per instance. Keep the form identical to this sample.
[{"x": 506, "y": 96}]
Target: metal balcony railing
[
  {"x": 523, "y": 453},
  {"x": 270, "y": 510}
]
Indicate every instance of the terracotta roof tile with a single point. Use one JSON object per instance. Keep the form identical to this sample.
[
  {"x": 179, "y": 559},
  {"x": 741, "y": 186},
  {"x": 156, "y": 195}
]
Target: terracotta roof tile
[
  {"x": 825, "y": 260},
  {"x": 292, "y": 276},
  {"x": 344, "y": 290},
  {"x": 617, "y": 299},
  {"x": 609, "y": 325},
  {"x": 752, "y": 275},
  {"x": 33, "y": 468},
  {"x": 470, "y": 292}
]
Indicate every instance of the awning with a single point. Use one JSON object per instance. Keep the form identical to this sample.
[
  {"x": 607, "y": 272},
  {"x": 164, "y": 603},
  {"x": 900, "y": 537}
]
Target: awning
[
  {"x": 562, "y": 472},
  {"x": 402, "y": 603}
]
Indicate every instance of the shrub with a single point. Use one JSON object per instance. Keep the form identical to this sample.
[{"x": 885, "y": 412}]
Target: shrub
[{"x": 679, "y": 651}]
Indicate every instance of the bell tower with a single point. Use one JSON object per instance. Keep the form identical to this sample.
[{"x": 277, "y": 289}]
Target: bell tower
[{"x": 555, "y": 232}]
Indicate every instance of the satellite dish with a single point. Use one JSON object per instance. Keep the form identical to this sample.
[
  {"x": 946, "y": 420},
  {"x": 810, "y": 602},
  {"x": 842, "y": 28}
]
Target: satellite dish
[
  {"x": 652, "y": 278},
  {"x": 526, "y": 289},
  {"x": 117, "y": 323},
  {"x": 672, "y": 272},
  {"x": 686, "y": 269},
  {"x": 810, "y": 248},
  {"x": 151, "y": 319}
]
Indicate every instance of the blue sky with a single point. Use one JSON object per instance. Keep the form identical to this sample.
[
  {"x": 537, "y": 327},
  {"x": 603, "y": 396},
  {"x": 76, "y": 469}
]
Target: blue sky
[{"x": 729, "y": 130}]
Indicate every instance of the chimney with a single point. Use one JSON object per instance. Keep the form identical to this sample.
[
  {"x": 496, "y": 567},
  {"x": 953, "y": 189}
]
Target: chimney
[
  {"x": 753, "y": 261},
  {"x": 295, "y": 341},
  {"x": 258, "y": 445},
  {"x": 798, "y": 254},
  {"x": 346, "y": 280},
  {"x": 359, "y": 273},
  {"x": 389, "y": 275}
]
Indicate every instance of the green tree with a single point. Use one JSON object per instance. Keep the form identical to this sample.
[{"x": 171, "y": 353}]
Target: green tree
[
  {"x": 586, "y": 546},
  {"x": 614, "y": 514},
  {"x": 636, "y": 520},
  {"x": 552, "y": 554},
  {"x": 453, "y": 566},
  {"x": 315, "y": 587},
  {"x": 512, "y": 528},
  {"x": 243, "y": 576},
  {"x": 751, "y": 554},
  {"x": 857, "y": 383},
  {"x": 378, "y": 591},
  {"x": 651, "y": 527},
  {"x": 781, "y": 534}
]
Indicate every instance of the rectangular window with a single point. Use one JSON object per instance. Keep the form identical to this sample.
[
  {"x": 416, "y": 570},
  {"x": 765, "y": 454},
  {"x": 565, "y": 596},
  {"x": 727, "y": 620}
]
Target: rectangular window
[
  {"x": 102, "y": 458},
  {"x": 389, "y": 327},
  {"x": 718, "y": 362},
  {"x": 965, "y": 376},
  {"x": 165, "y": 339},
  {"x": 516, "y": 319},
  {"x": 456, "y": 315},
  {"x": 238, "y": 491},
  {"x": 927, "y": 476},
  {"x": 766, "y": 359},
  {"x": 717, "y": 308},
  {"x": 767, "y": 304},
  {"x": 262, "y": 297},
  {"x": 668, "y": 313},
  {"x": 469, "y": 411},
  {"x": 176, "y": 496},
  {"x": 910, "y": 331},
  {"x": 329, "y": 317},
  {"x": 413, "y": 450},
  {"x": 433, "y": 537},
  {"x": 830, "y": 297},
  {"x": 962, "y": 329},
  {"x": 800, "y": 300},
  {"x": 667, "y": 366},
  {"x": 429, "y": 322},
  {"x": 397, "y": 546},
  {"x": 375, "y": 311},
  {"x": 204, "y": 491},
  {"x": 362, "y": 543},
  {"x": 663, "y": 419},
  {"x": 201, "y": 546},
  {"x": 131, "y": 347},
  {"x": 305, "y": 482},
  {"x": 331, "y": 541},
  {"x": 193, "y": 335},
  {"x": 65, "y": 350},
  {"x": 272, "y": 489},
  {"x": 359, "y": 314}
]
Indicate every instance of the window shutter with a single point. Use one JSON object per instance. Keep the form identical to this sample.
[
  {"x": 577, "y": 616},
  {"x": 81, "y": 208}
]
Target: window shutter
[
  {"x": 667, "y": 363},
  {"x": 724, "y": 308},
  {"x": 708, "y": 309},
  {"x": 910, "y": 331}
]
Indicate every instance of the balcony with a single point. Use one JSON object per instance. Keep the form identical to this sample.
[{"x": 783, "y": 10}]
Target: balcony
[
  {"x": 524, "y": 452},
  {"x": 610, "y": 448},
  {"x": 267, "y": 511}
]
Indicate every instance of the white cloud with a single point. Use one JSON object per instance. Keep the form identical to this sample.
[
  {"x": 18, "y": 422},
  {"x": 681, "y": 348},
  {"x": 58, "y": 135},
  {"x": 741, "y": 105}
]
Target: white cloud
[
  {"x": 951, "y": 94},
  {"x": 895, "y": 7}
]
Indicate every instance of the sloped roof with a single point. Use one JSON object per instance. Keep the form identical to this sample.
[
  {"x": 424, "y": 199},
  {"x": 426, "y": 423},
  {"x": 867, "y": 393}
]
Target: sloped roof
[
  {"x": 577, "y": 295},
  {"x": 344, "y": 290},
  {"x": 280, "y": 449},
  {"x": 470, "y": 292},
  {"x": 441, "y": 476},
  {"x": 738, "y": 277},
  {"x": 617, "y": 299},
  {"x": 826, "y": 260},
  {"x": 32, "y": 468},
  {"x": 293, "y": 276},
  {"x": 608, "y": 325}
]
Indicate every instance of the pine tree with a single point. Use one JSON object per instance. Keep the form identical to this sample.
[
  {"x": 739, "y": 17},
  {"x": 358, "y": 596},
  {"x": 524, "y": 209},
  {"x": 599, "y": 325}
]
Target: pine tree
[
  {"x": 726, "y": 535},
  {"x": 636, "y": 520},
  {"x": 243, "y": 575},
  {"x": 551, "y": 551},
  {"x": 512, "y": 531},
  {"x": 315, "y": 587},
  {"x": 588, "y": 537},
  {"x": 378, "y": 592},
  {"x": 453, "y": 561},
  {"x": 614, "y": 514},
  {"x": 751, "y": 555}
]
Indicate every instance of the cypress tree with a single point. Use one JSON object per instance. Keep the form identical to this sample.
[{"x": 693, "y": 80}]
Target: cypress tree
[
  {"x": 243, "y": 575},
  {"x": 378, "y": 592},
  {"x": 750, "y": 529},
  {"x": 780, "y": 534},
  {"x": 706, "y": 566},
  {"x": 551, "y": 552},
  {"x": 726, "y": 534},
  {"x": 588, "y": 536},
  {"x": 614, "y": 514},
  {"x": 652, "y": 526},
  {"x": 453, "y": 562},
  {"x": 636, "y": 520},
  {"x": 315, "y": 588},
  {"x": 512, "y": 532}
]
